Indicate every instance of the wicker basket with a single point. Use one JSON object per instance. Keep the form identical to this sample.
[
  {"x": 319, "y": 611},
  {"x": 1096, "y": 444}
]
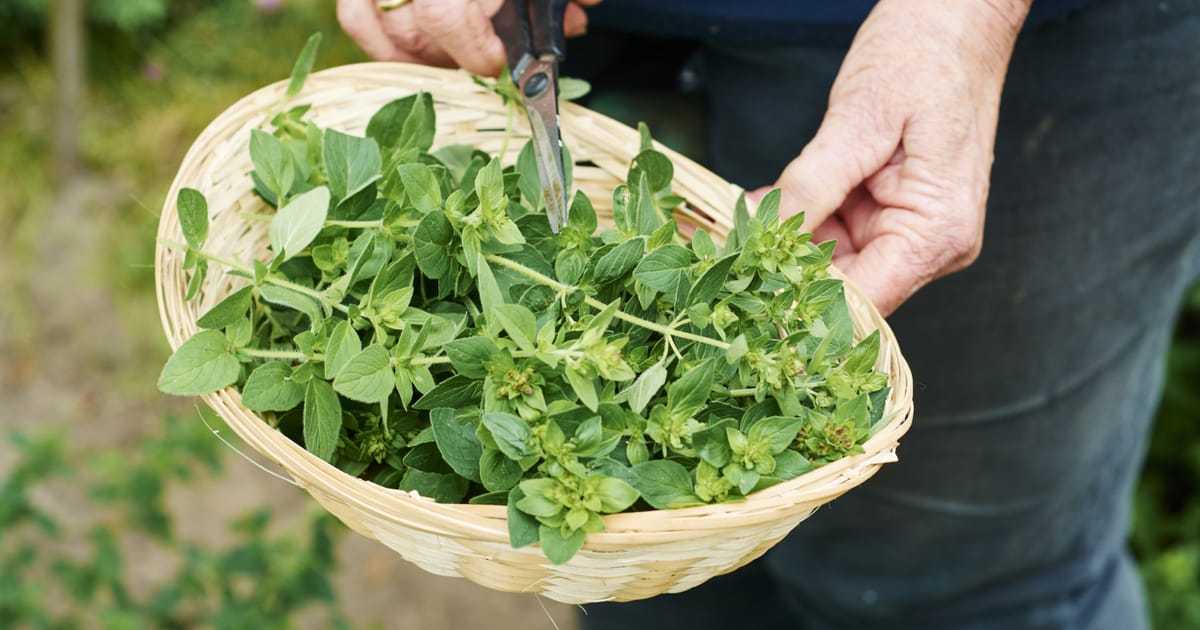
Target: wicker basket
[{"x": 641, "y": 554}]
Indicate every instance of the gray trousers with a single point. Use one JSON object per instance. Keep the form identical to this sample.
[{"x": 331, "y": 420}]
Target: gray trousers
[{"x": 1038, "y": 369}]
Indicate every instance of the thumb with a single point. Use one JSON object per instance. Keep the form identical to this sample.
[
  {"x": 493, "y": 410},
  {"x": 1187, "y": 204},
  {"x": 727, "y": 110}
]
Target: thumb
[{"x": 846, "y": 150}]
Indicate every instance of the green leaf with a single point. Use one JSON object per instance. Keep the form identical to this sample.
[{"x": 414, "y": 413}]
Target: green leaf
[
  {"x": 569, "y": 265},
  {"x": 570, "y": 88},
  {"x": 790, "y": 464},
  {"x": 615, "y": 495},
  {"x": 646, "y": 141},
  {"x": 582, "y": 213},
  {"x": 193, "y": 287},
  {"x": 703, "y": 245},
  {"x": 490, "y": 296},
  {"x": 489, "y": 187},
  {"x": 456, "y": 158},
  {"x": 522, "y": 528},
  {"x": 530, "y": 183},
  {"x": 657, "y": 169},
  {"x": 367, "y": 377},
  {"x": 497, "y": 471},
  {"x": 292, "y": 299},
  {"x": 404, "y": 123},
  {"x": 768, "y": 208},
  {"x": 690, "y": 392},
  {"x": 299, "y": 222},
  {"x": 855, "y": 409},
  {"x": 270, "y": 388},
  {"x": 519, "y": 322},
  {"x": 426, "y": 457},
  {"x": 420, "y": 187},
  {"x": 646, "y": 386},
  {"x": 304, "y": 65},
  {"x": 778, "y": 431},
  {"x": 709, "y": 285},
  {"x": 665, "y": 484},
  {"x": 322, "y": 419},
  {"x": 738, "y": 348},
  {"x": 559, "y": 549},
  {"x": 457, "y": 442},
  {"x": 646, "y": 212},
  {"x": 342, "y": 346},
  {"x": 537, "y": 500},
  {"x": 228, "y": 310},
  {"x": 583, "y": 387},
  {"x": 431, "y": 244},
  {"x": 619, "y": 260},
  {"x": 193, "y": 216},
  {"x": 506, "y": 232},
  {"x": 745, "y": 480},
  {"x": 711, "y": 443},
  {"x": 239, "y": 331},
  {"x": 202, "y": 364},
  {"x": 351, "y": 163},
  {"x": 470, "y": 355},
  {"x": 273, "y": 163},
  {"x": 443, "y": 488},
  {"x": 511, "y": 432},
  {"x": 861, "y": 359},
  {"x": 665, "y": 268},
  {"x": 456, "y": 391},
  {"x": 741, "y": 226}
]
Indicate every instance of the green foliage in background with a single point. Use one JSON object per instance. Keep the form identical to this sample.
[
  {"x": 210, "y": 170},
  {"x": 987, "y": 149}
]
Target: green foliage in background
[
  {"x": 1166, "y": 536},
  {"x": 262, "y": 579}
]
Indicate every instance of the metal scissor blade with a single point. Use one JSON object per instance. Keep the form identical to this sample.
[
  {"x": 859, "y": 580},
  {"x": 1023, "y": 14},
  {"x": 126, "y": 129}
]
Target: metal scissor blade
[{"x": 538, "y": 83}]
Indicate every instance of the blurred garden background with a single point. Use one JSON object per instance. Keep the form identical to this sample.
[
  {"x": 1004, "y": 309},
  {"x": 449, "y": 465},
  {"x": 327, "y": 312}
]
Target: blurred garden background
[{"x": 119, "y": 507}]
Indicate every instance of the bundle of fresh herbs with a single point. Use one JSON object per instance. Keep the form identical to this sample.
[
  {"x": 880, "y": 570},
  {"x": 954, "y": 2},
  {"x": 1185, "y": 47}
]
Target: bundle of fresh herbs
[{"x": 416, "y": 323}]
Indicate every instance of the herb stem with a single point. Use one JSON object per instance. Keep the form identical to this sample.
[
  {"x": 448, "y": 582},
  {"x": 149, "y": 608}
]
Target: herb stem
[
  {"x": 435, "y": 360},
  {"x": 294, "y": 127},
  {"x": 354, "y": 224},
  {"x": 742, "y": 393},
  {"x": 281, "y": 354},
  {"x": 598, "y": 305},
  {"x": 236, "y": 266}
]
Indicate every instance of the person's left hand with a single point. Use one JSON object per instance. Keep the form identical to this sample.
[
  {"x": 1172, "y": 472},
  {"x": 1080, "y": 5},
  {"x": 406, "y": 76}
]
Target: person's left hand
[
  {"x": 448, "y": 33},
  {"x": 898, "y": 171}
]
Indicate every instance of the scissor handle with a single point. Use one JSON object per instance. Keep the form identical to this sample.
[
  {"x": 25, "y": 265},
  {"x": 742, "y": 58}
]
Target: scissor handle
[
  {"x": 546, "y": 18},
  {"x": 533, "y": 27}
]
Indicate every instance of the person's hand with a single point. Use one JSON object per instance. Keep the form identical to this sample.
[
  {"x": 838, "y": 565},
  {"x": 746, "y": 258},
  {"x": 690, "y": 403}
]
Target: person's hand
[
  {"x": 898, "y": 171},
  {"x": 445, "y": 33}
]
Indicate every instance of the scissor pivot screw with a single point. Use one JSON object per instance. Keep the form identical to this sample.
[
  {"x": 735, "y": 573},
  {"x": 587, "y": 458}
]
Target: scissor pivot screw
[{"x": 536, "y": 85}]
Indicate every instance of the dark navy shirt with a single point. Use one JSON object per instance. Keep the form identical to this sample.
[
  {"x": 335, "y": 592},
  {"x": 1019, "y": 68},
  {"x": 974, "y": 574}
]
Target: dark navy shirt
[{"x": 765, "y": 22}]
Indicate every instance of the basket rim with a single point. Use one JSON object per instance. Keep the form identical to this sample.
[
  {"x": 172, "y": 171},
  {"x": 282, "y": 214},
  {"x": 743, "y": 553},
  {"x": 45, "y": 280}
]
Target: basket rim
[{"x": 488, "y": 521}]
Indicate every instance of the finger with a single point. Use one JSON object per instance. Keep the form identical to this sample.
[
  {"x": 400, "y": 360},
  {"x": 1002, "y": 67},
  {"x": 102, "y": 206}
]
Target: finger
[
  {"x": 361, "y": 21},
  {"x": 463, "y": 30},
  {"x": 587, "y": 3},
  {"x": 575, "y": 21},
  {"x": 843, "y": 153},
  {"x": 887, "y": 270},
  {"x": 410, "y": 42}
]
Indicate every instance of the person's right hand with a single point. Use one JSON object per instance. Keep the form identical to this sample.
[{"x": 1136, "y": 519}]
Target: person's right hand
[{"x": 445, "y": 33}]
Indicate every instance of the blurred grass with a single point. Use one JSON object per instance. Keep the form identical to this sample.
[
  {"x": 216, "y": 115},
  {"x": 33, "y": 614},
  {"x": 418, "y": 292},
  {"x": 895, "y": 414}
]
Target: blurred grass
[{"x": 158, "y": 77}]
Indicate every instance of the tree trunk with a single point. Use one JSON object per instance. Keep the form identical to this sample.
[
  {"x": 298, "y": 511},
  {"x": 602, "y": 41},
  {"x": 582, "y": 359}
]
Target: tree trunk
[{"x": 67, "y": 45}]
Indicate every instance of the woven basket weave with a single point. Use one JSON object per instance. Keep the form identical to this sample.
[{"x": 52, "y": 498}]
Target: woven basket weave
[{"x": 640, "y": 554}]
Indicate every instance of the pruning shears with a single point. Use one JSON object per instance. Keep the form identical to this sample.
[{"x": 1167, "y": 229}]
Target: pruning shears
[{"x": 532, "y": 32}]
